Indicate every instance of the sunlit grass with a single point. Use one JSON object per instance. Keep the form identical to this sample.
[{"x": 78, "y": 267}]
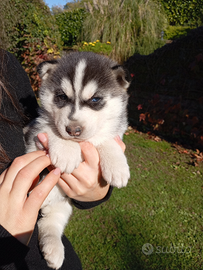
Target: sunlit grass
[{"x": 162, "y": 205}]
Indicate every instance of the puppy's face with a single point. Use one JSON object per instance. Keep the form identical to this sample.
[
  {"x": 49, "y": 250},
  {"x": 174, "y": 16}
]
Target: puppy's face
[{"x": 84, "y": 94}]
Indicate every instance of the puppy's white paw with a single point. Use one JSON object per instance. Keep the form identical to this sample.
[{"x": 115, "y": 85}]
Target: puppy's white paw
[
  {"x": 116, "y": 172},
  {"x": 65, "y": 156},
  {"x": 53, "y": 251}
]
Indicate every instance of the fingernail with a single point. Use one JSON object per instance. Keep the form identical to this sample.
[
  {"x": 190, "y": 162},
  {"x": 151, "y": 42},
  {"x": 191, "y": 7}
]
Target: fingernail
[
  {"x": 42, "y": 137},
  {"x": 57, "y": 171}
]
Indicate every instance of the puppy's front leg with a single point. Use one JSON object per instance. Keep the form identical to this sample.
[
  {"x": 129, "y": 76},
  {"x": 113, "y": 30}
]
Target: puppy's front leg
[
  {"x": 64, "y": 154},
  {"x": 113, "y": 162},
  {"x": 51, "y": 226}
]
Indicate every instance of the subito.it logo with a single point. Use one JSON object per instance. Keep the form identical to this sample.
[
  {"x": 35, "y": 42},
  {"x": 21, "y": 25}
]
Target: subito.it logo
[{"x": 147, "y": 249}]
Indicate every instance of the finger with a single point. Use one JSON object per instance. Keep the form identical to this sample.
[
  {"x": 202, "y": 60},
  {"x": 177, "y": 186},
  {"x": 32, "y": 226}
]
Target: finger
[
  {"x": 69, "y": 182},
  {"x": 43, "y": 138},
  {"x": 17, "y": 165},
  {"x": 34, "y": 183},
  {"x": 90, "y": 165},
  {"x": 72, "y": 187},
  {"x": 2, "y": 176},
  {"x": 64, "y": 184},
  {"x": 120, "y": 143},
  {"x": 40, "y": 192},
  {"x": 5, "y": 191},
  {"x": 27, "y": 175},
  {"x": 90, "y": 154},
  {"x": 74, "y": 183}
]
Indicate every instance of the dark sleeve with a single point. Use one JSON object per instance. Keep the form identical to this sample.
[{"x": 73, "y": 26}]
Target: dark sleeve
[
  {"x": 88, "y": 205},
  {"x": 19, "y": 85},
  {"x": 13, "y": 252}
]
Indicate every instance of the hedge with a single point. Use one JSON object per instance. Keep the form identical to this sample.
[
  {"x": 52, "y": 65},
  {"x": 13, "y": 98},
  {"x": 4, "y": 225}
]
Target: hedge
[
  {"x": 70, "y": 25},
  {"x": 182, "y": 12}
]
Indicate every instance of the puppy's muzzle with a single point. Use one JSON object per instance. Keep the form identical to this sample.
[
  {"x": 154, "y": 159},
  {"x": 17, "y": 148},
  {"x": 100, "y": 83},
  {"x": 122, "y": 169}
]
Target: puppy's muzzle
[{"x": 74, "y": 130}]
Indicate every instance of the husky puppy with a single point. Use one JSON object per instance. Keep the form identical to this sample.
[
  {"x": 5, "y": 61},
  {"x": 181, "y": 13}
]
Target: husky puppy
[{"x": 83, "y": 98}]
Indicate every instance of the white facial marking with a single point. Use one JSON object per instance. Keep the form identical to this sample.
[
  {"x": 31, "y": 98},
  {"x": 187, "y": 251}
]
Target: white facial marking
[
  {"x": 67, "y": 87},
  {"x": 79, "y": 74},
  {"x": 89, "y": 90}
]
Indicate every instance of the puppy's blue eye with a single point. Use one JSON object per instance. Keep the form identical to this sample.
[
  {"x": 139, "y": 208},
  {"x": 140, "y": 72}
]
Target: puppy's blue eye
[
  {"x": 95, "y": 99},
  {"x": 62, "y": 97}
]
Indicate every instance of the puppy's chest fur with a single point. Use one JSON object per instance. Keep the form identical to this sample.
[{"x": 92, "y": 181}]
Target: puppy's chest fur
[{"x": 83, "y": 98}]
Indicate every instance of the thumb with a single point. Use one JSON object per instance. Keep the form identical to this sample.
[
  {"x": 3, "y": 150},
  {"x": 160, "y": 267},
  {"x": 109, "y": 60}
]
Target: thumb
[
  {"x": 43, "y": 138},
  {"x": 90, "y": 154}
]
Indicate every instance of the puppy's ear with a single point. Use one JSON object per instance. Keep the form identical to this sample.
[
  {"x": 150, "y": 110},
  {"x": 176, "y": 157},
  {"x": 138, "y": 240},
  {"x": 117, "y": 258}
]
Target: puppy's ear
[
  {"x": 46, "y": 67},
  {"x": 122, "y": 76}
]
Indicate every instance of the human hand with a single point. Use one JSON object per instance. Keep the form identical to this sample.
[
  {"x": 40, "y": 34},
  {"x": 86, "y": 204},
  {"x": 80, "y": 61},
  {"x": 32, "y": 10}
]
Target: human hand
[
  {"x": 18, "y": 212},
  {"x": 85, "y": 183}
]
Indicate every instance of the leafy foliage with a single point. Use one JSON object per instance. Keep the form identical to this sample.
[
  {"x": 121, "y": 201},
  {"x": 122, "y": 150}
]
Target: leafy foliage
[
  {"x": 22, "y": 19},
  {"x": 73, "y": 5},
  {"x": 28, "y": 30},
  {"x": 184, "y": 12},
  {"x": 70, "y": 25},
  {"x": 174, "y": 32},
  {"x": 34, "y": 52}
]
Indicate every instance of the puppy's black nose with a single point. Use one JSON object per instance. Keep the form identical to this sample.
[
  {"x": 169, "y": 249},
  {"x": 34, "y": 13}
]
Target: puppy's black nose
[{"x": 74, "y": 131}]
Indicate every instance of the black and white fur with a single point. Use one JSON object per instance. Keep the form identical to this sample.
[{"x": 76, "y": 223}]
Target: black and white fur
[{"x": 83, "y": 98}]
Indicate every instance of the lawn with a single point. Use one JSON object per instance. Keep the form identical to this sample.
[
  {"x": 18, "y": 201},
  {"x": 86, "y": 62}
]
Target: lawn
[{"x": 153, "y": 223}]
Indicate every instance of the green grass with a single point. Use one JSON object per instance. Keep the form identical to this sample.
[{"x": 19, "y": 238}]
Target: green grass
[{"x": 162, "y": 205}]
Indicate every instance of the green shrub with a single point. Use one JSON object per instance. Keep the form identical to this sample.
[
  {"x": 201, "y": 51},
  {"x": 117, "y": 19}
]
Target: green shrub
[
  {"x": 174, "y": 32},
  {"x": 96, "y": 47},
  {"x": 184, "y": 12},
  {"x": 130, "y": 26},
  {"x": 28, "y": 30},
  {"x": 22, "y": 20},
  {"x": 9, "y": 17},
  {"x": 70, "y": 25}
]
